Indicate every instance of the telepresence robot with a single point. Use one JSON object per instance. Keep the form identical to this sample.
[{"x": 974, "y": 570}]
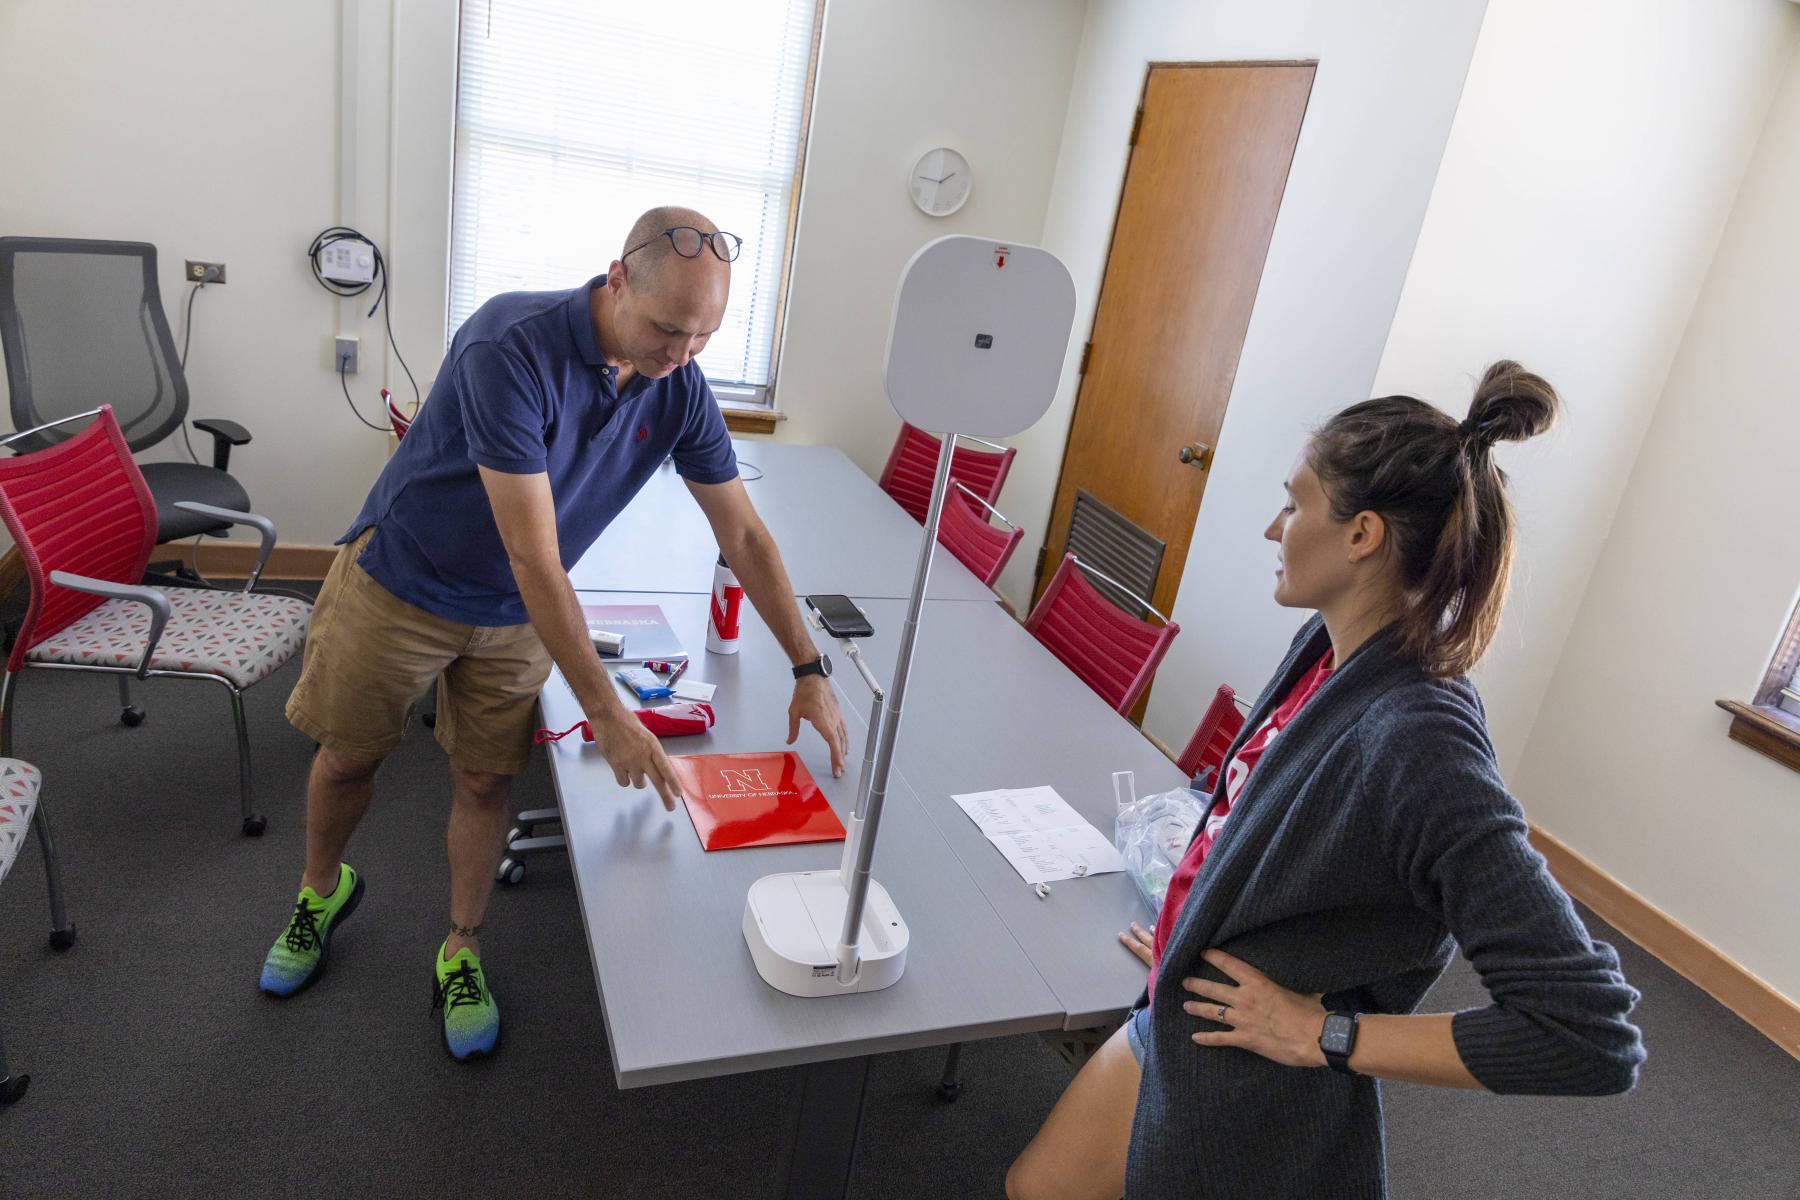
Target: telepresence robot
[{"x": 979, "y": 335}]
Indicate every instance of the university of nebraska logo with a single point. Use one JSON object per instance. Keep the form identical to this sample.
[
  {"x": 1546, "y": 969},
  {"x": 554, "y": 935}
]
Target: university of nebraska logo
[{"x": 750, "y": 779}]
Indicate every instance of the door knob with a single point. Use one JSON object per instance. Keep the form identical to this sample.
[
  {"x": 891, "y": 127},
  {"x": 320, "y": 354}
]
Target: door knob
[{"x": 1197, "y": 454}]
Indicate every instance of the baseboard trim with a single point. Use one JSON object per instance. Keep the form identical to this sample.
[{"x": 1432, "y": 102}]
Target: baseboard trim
[
  {"x": 1766, "y": 1010},
  {"x": 234, "y": 560}
]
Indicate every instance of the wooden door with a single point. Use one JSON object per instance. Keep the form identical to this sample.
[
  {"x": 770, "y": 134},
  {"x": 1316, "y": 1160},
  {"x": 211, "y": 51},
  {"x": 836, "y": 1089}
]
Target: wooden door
[{"x": 1209, "y": 160}]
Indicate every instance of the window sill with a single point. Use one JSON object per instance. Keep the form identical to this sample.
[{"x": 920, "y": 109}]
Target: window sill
[
  {"x": 751, "y": 420},
  {"x": 1767, "y": 730}
]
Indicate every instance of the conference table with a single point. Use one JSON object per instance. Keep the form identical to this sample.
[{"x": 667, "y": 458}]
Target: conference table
[
  {"x": 839, "y": 534},
  {"x": 987, "y": 707}
]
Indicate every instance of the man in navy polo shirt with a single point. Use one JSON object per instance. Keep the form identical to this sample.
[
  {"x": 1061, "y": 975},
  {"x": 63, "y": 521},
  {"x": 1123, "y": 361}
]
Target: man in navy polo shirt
[{"x": 550, "y": 412}]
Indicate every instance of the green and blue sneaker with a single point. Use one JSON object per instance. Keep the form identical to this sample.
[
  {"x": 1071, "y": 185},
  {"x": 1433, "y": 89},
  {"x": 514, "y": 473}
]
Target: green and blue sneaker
[
  {"x": 471, "y": 1018},
  {"x": 297, "y": 958}
]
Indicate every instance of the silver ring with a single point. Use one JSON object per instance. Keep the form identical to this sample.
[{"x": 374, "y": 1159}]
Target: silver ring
[{"x": 1221, "y": 1014}]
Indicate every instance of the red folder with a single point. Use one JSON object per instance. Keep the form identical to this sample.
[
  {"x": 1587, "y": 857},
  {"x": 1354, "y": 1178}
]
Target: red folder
[{"x": 739, "y": 800}]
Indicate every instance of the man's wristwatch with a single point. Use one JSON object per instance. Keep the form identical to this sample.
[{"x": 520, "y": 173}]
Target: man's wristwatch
[
  {"x": 818, "y": 666},
  {"x": 1338, "y": 1040}
]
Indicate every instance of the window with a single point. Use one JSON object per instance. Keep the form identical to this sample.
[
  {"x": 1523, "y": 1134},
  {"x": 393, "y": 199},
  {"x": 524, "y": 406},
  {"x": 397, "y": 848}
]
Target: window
[
  {"x": 1781, "y": 684},
  {"x": 573, "y": 117},
  {"x": 1771, "y": 723}
]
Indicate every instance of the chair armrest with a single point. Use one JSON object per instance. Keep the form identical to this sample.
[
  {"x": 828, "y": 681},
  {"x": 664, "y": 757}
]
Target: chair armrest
[
  {"x": 260, "y": 523},
  {"x": 225, "y": 435},
  {"x": 155, "y": 601}
]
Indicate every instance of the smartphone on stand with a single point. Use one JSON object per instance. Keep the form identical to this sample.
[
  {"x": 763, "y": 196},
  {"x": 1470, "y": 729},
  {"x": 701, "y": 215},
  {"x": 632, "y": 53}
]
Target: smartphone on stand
[{"x": 841, "y": 617}]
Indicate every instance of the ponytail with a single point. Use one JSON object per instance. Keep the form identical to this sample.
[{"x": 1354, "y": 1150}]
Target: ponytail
[{"x": 1434, "y": 483}]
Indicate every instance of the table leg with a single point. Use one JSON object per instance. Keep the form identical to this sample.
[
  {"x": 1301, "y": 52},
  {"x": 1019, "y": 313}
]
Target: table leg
[{"x": 827, "y": 1117}]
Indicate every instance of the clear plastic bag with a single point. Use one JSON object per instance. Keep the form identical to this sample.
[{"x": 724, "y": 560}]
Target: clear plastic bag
[{"x": 1153, "y": 833}]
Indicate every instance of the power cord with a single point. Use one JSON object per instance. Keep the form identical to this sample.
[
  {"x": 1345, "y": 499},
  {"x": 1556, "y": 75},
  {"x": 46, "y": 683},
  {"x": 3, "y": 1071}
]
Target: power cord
[
  {"x": 187, "y": 333},
  {"x": 343, "y": 363},
  {"x": 343, "y": 233}
]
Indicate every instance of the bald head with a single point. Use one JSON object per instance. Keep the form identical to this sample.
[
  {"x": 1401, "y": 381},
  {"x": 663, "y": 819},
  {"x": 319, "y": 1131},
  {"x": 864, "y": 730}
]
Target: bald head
[
  {"x": 658, "y": 307},
  {"x": 656, "y": 261}
]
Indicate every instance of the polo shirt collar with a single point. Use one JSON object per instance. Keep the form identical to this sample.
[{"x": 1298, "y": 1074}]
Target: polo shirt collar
[{"x": 581, "y": 325}]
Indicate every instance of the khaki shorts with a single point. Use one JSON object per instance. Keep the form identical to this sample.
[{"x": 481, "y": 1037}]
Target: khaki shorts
[{"x": 370, "y": 656}]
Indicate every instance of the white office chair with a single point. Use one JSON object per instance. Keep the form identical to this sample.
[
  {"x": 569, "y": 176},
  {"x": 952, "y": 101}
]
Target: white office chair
[{"x": 19, "y": 783}]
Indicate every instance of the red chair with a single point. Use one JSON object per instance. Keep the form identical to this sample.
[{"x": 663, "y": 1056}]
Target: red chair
[
  {"x": 1212, "y": 739},
  {"x": 1111, "y": 651},
  {"x": 912, "y": 465},
  {"x": 963, "y": 530},
  {"x": 85, "y": 523},
  {"x": 399, "y": 420}
]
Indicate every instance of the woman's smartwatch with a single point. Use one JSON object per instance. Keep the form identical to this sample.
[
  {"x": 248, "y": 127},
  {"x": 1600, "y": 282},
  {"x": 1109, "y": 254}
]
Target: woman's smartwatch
[
  {"x": 1338, "y": 1040},
  {"x": 818, "y": 666}
]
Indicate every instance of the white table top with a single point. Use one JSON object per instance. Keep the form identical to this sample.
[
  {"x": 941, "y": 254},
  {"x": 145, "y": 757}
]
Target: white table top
[
  {"x": 681, "y": 997},
  {"x": 989, "y": 707},
  {"x": 838, "y": 532}
]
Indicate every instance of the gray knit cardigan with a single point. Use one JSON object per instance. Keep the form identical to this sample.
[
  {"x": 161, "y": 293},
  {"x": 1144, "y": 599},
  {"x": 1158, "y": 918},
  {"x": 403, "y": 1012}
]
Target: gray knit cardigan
[{"x": 1373, "y": 838}]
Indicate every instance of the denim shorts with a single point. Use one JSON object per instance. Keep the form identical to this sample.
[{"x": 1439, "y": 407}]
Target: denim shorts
[{"x": 1137, "y": 1032}]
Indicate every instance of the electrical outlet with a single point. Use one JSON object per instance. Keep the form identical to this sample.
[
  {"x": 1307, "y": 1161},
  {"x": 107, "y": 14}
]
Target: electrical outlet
[
  {"x": 344, "y": 358},
  {"x": 205, "y": 272}
]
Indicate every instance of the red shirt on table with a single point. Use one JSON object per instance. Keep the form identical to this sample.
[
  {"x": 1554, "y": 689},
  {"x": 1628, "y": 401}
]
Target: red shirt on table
[{"x": 1236, "y": 772}]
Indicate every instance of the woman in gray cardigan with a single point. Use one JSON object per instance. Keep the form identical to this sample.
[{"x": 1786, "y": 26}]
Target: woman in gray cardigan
[{"x": 1355, "y": 853}]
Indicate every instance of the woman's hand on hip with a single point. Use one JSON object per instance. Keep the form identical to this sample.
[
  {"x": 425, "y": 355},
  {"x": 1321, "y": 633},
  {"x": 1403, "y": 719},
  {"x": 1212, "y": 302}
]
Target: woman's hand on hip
[{"x": 1263, "y": 1017}]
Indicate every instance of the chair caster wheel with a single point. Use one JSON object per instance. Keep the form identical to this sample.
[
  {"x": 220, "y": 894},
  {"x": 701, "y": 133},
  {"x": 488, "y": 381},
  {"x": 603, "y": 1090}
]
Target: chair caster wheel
[
  {"x": 511, "y": 871},
  {"x": 948, "y": 1092},
  {"x": 254, "y": 826},
  {"x": 133, "y": 716},
  {"x": 515, "y": 833},
  {"x": 12, "y": 1087},
  {"x": 62, "y": 939}
]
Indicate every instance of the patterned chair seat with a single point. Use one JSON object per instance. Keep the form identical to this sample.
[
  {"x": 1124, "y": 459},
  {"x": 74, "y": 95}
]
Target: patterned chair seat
[
  {"x": 19, "y": 783},
  {"x": 243, "y": 637}
]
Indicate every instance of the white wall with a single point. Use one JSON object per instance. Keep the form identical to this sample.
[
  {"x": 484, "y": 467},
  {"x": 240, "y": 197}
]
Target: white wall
[
  {"x": 113, "y": 122},
  {"x": 989, "y": 78},
  {"x": 1628, "y": 761},
  {"x": 1382, "y": 102},
  {"x": 1593, "y": 161},
  {"x": 110, "y": 135}
]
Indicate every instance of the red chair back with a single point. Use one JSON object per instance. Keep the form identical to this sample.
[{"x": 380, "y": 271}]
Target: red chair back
[
  {"x": 963, "y": 529},
  {"x": 912, "y": 465},
  {"x": 1214, "y": 735},
  {"x": 79, "y": 506},
  {"x": 1111, "y": 651}
]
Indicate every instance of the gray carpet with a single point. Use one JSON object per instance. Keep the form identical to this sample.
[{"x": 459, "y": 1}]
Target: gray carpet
[{"x": 158, "y": 1070}]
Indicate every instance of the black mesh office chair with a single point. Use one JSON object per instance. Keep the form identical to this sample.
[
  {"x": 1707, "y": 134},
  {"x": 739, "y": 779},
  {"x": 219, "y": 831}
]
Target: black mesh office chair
[{"x": 81, "y": 325}]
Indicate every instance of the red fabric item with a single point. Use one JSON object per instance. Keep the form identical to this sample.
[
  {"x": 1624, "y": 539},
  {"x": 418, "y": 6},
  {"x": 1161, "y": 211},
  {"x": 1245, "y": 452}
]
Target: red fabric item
[
  {"x": 680, "y": 719},
  {"x": 1236, "y": 772}
]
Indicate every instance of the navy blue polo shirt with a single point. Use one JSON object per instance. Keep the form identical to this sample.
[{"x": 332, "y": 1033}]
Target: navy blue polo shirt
[{"x": 525, "y": 389}]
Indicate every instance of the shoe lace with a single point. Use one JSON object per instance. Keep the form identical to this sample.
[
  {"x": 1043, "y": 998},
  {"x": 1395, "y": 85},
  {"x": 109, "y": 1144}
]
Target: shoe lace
[
  {"x": 303, "y": 931},
  {"x": 462, "y": 986}
]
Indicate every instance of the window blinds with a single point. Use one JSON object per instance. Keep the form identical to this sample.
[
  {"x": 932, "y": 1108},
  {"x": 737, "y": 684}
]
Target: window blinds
[{"x": 572, "y": 118}]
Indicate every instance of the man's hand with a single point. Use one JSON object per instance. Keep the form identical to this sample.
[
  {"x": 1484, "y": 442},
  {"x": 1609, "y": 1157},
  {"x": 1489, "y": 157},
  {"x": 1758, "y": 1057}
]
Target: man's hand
[
  {"x": 814, "y": 702},
  {"x": 635, "y": 755}
]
